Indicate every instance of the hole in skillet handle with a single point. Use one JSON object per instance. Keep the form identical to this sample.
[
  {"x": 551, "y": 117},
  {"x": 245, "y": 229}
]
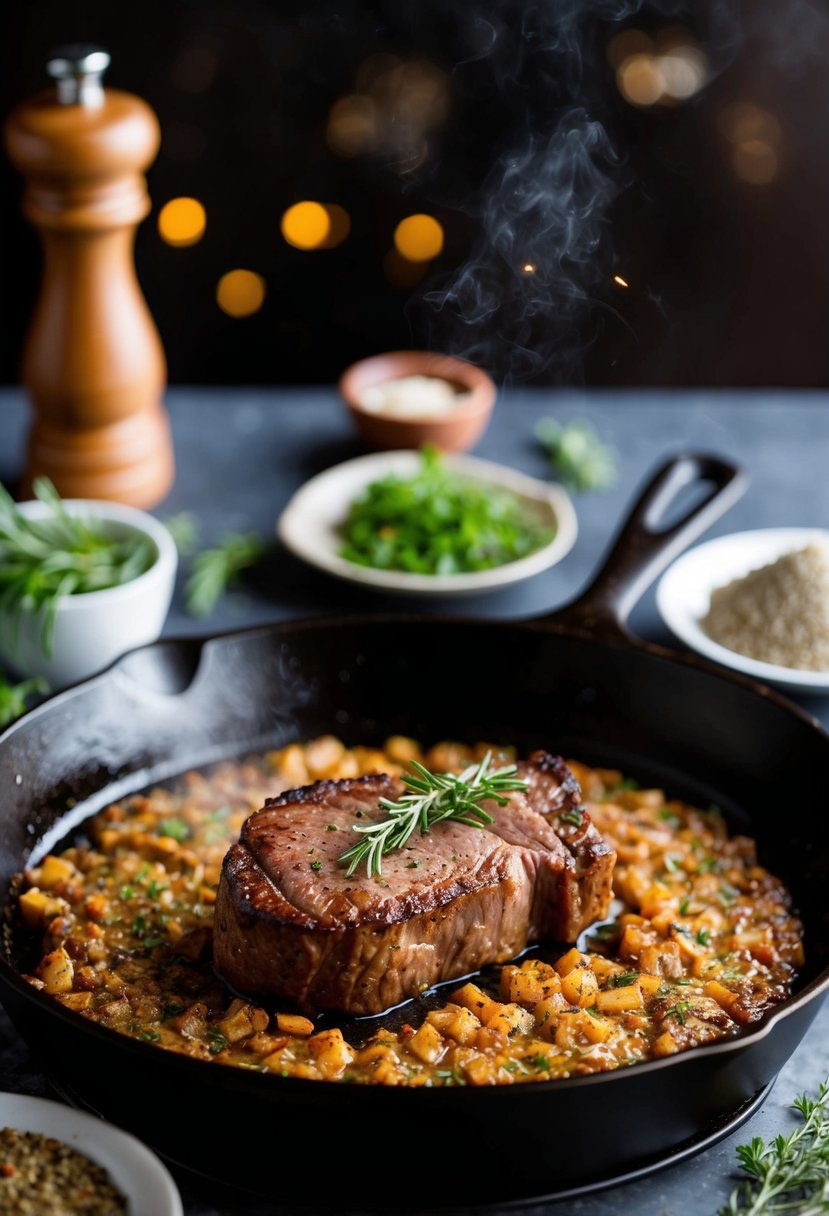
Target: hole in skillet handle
[
  {"x": 166, "y": 668},
  {"x": 678, "y": 503}
]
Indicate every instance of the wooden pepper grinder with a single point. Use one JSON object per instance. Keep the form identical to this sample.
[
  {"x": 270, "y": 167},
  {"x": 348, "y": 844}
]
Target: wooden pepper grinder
[{"x": 93, "y": 362}]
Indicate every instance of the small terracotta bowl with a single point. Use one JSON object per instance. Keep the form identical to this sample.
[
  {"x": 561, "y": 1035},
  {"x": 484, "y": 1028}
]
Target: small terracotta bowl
[{"x": 454, "y": 431}]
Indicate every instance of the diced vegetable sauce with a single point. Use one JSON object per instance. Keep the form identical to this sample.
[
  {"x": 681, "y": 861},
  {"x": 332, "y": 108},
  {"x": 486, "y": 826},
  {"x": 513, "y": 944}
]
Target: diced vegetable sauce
[{"x": 703, "y": 941}]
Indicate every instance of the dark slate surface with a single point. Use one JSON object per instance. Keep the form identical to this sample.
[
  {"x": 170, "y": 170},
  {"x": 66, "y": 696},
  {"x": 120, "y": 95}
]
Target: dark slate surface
[{"x": 241, "y": 454}]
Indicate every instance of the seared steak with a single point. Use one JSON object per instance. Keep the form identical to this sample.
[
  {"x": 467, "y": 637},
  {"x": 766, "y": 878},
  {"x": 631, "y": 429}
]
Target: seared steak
[{"x": 290, "y": 924}]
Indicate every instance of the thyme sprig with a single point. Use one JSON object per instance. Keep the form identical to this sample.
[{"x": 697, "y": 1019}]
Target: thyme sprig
[
  {"x": 433, "y": 797},
  {"x": 789, "y": 1173}
]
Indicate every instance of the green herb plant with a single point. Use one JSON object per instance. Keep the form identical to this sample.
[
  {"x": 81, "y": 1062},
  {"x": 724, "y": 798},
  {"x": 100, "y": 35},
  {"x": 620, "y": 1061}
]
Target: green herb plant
[
  {"x": 579, "y": 457},
  {"x": 791, "y": 1172},
  {"x": 433, "y": 797},
  {"x": 43, "y": 560},
  {"x": 438, "y": 522}
]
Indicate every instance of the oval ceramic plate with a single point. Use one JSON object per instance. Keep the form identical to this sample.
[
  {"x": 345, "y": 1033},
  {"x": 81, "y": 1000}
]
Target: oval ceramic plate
[
  {"x": 136, "y": 1171},
  {"x": 684, "y": 591},
  {"x": 310, "y": 524}
]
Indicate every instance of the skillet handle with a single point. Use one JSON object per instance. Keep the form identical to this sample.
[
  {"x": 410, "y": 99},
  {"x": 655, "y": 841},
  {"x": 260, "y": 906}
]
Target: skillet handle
[{"x": 641, "y": 549}]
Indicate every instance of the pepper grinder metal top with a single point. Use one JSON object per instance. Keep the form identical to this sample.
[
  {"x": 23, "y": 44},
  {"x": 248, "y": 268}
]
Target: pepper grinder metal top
[
  {"x": 77, "y": 70},
  {"x": 93, "y": 362}
]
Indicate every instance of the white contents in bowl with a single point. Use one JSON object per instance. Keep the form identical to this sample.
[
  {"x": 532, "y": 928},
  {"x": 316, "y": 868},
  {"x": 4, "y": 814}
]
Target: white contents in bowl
[
  {"x": 778, "y": 613},
  {"x": 411, "y": 397}
]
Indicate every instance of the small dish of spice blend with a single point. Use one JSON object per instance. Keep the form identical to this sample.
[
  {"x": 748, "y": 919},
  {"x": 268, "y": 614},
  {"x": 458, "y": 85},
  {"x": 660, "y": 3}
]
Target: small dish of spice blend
[
  {"x": 58, "y": 1161},
  {"x": 41, "y": 1176},
  {"x": 757, "y": 602}
]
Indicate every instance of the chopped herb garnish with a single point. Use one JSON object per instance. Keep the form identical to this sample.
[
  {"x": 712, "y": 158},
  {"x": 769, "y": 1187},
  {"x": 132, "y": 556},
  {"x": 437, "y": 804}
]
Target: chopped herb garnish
[
  {"x": 670, "y": 818},
  {"x": 174, "y": 827},
  {"x": 672, "y": 864},
  {"x": 316, "y": 865},
  {"x": 541, "y": 1062},
  {"x": 331, "y": 827},
  {"x": 575, "y": 816},
  {"x": 151, "y": 1036},
  {"x": 139, "y": 926},
  {"x": 413, "y": 865},
  {"x": 703, "y": 937},
  {"x": 709, "y": 865},
  {"x": 684, "y": 905},
  {"x": 154, "y": 890},
  {"x": 623, "y": 981},
  {"x": 678, "y": 1011},
  {"x": 218, "y": 1042},
  {"x": 437, "y": 521},
  {"x": 150, "y": 943},
  {"x": 127, "y": 892}
]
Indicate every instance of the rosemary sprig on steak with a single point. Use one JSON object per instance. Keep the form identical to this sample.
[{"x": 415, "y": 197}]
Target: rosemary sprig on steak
[{"x": 433, "y": 798}]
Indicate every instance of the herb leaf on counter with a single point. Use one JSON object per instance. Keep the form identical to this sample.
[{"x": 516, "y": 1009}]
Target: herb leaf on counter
[
  {"x": 13, "y": 697},
  {"x": 184, "y": 529},
  {"x": 437, "y": 522},
  {"x": 215, "y": 570},
  {"x": 579, "y": 457},
  {"x": 42, "y": 560},
  {"x": 789, "y": 1173},
  {"x": 433, "y": 798}
]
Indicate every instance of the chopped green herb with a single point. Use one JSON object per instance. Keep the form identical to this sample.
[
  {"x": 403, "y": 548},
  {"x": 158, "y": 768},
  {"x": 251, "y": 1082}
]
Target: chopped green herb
[
  {"x": 150, "y": 943},
  {"x": 438, "y": 522},
  {"x": 127, "y": 892},
  {"x": 672, "y": 864},
  {"x": 541, "y": 1062},
  {"x": 154, "y": 890},
  {"x": 174, "y": 827},
  {"x": 151, "y": 1036},
  {"x": 684, "y": 905},
  {"x": 316, "y": 865},
  {"x": 413, "y": 865},
  {"x": 218, "y": 1042},
  {"x": 678, "y": 1011},
  {"x": 575, "y": 816},
  {"x": 709, "y": 865},
  {"x": 703, "y": 937},
  {"x": 331, "y": 827},
  {"x": 139, "y": 926},
  {"x": 623, "y": 981},
  {"x": 607, "y": 932},
  {"x": 668, "y": 816}
]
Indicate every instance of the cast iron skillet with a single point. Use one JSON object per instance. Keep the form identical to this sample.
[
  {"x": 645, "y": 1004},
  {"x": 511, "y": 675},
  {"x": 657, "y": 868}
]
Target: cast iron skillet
[{"x": 575, "y": 682}]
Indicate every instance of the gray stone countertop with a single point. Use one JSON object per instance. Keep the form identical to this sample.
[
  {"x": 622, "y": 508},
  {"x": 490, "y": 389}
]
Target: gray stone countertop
[{"x": 241, "y": 453}]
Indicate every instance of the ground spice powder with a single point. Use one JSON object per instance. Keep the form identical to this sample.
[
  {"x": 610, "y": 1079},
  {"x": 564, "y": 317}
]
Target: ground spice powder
[
  {"x": 41, "y": 1176},
  {"x": 778, "y": 613}
]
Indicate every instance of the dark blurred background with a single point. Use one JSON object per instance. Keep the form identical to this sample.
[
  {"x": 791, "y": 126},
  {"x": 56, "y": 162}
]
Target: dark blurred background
[{"x": 605, "y": 192}]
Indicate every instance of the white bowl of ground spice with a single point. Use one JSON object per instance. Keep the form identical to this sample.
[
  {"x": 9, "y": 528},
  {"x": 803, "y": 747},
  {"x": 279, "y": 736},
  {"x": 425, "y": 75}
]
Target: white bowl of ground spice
[
  {"x": 757, "y": 602},
  {"x": 54, "y": 1158}
]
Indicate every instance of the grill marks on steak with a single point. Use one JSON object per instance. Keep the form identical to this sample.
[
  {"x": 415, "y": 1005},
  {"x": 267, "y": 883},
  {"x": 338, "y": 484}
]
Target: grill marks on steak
[{"x": 290, "y": 924}]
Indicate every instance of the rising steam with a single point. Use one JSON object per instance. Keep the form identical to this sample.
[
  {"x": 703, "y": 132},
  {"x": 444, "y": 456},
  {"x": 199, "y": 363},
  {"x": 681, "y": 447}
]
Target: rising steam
[{"x": 524, "y": 301}]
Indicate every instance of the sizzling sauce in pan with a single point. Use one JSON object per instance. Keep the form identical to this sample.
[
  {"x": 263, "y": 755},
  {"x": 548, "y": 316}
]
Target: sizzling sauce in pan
[{"x": 118, "y": 927}]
